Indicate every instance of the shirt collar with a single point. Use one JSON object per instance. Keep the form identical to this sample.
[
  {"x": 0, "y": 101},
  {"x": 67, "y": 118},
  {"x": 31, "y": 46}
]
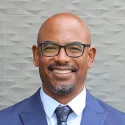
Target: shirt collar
[
  {"x": 77, "y": 105},
  {"x": 49, "y": 103}
]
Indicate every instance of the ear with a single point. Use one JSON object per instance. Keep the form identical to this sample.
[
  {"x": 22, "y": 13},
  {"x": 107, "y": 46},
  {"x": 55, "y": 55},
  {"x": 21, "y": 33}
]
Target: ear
[
  {"x": 35, "y": 55},
  {"x": 91, "y": 56}
]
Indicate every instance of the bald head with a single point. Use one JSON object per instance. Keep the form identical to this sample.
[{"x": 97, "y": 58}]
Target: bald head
[
  {"x": 62, "y": 23},
  {"x": 64, "y": 57}
]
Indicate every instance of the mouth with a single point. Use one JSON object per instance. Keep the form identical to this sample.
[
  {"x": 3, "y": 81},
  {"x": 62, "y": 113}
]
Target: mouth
[
  {"x": 61, "y": 71},
  {"x": 62, "y": 74}
]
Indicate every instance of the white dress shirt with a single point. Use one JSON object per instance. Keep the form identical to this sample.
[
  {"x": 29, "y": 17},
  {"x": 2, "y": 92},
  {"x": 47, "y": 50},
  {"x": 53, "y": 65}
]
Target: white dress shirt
[{"x": 77, "y": 105}]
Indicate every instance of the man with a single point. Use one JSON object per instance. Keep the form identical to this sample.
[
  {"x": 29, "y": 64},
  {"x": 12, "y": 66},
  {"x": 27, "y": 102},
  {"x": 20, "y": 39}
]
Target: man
[{"x": 63, "y": 54}]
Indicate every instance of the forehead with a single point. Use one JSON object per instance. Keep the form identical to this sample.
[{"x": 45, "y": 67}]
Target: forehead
[
  {"x": 45, "y": 43},
  {"x": 63, "y": 31}
]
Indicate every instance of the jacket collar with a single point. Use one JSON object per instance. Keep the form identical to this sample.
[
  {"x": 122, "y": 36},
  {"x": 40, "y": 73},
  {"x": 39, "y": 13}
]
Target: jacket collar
[
  {"x": 93, "y": 113},
  {"x": 33, "y": 113}
]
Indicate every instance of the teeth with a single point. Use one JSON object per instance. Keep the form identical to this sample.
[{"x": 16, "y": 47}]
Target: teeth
[{"x": 61, "y": 71}]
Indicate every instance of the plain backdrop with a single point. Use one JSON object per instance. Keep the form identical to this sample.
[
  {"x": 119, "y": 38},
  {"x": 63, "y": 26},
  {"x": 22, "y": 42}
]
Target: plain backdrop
[{"x": 20, "y": 21}]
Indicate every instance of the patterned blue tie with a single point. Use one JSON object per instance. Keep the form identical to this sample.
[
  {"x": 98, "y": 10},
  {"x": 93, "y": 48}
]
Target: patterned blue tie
[{"x": 62, "y": 114}]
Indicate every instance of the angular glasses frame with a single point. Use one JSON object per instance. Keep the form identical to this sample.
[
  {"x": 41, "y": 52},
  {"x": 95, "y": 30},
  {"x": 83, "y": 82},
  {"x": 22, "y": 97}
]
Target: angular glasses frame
[{"x": 63, "y": 46}]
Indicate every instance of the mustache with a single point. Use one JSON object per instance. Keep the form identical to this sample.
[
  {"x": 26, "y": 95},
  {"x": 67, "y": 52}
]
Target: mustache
[{"x": 74, "y": 68}]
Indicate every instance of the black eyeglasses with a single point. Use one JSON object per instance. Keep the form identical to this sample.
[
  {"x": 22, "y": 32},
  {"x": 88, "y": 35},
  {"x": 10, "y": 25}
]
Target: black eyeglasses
[{"x": 51, "y": 49}]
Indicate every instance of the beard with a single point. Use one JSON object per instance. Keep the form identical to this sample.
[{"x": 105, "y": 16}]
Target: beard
[{"x": 63, "y": 88}]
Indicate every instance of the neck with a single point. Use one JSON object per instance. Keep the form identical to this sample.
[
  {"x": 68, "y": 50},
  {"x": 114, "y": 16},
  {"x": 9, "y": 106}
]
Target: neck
[{"x": 63, "y": 98}]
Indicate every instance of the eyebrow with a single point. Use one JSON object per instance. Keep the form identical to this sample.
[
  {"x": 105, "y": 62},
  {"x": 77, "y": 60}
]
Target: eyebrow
[
  {"x": 52, "y": 42},
  {"x": 47, "y": 41}
]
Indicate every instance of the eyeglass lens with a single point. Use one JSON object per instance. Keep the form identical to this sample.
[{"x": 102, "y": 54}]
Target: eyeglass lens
[{"x": 51, "y": 49}]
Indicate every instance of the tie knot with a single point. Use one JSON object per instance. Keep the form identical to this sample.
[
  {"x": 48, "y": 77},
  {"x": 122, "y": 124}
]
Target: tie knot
[{"x": 62, "y": 113}]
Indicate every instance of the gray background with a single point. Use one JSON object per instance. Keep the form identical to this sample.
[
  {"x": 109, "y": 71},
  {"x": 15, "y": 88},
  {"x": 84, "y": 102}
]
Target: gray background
[{"x": 19, "y": 23}]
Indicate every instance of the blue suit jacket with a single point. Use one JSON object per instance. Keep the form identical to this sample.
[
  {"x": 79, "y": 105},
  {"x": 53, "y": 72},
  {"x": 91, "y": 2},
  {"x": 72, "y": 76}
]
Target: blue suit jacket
[{"x": 30, "y": 112}]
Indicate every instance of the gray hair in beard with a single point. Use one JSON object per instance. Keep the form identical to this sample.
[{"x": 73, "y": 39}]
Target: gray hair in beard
[{"x": 63, "y": 89}]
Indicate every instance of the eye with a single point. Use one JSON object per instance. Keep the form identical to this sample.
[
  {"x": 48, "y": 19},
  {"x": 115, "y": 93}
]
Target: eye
[
  {"x": 75, "y": 48},
  {"x": 49, "y": 48}
]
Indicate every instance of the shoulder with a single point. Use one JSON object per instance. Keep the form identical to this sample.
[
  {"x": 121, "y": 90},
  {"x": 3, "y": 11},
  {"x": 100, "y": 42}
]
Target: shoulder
[
  {"x": 98, "y": 105},
  {"x": 113, "y": 114},
  {"x": 109, "y": 109},
  {"x": 24, "y": 105},
  {"x": 16, "y": 107},
  {"x": 10, "y": 114}
]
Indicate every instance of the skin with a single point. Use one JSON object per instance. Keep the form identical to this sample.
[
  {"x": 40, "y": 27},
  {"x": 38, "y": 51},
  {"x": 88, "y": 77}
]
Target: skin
[{"x": 64, "y": 28}]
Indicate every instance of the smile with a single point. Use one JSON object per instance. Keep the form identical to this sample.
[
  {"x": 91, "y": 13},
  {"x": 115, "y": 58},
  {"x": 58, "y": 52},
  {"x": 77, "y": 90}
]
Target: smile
[{"x": 62, "y": 71}]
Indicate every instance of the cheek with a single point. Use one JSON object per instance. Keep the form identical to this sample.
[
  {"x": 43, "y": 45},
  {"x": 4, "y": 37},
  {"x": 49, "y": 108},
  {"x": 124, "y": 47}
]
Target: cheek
[
  {"x": 82, "y": 70},
  {"x": 43, "y": 71},
  {"x": 82, "y": 61},
  {"x": 83, "y": 65},
  {"x": 43, "y": 63}
]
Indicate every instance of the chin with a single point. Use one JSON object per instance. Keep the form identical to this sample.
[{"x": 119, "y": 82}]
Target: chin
[{"x": 63, "y": 88}]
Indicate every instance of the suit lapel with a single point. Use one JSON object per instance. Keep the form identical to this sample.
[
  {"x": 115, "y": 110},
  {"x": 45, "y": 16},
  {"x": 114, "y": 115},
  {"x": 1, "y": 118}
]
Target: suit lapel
[
  {"x": 93, "y": 113},
  {"x": 90, "y": 117},
  {"x": 33, "y": 118},
  {"x": 33, "y": 113}
]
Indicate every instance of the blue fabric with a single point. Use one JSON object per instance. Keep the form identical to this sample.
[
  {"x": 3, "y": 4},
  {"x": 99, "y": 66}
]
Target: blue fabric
[
  {"x": 30, "y": 112},
  {"x": 62, "y": 114}
]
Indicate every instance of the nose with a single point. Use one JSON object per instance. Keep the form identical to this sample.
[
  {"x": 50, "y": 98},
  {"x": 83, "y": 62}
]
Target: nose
[{"x": 62, "y": 57}]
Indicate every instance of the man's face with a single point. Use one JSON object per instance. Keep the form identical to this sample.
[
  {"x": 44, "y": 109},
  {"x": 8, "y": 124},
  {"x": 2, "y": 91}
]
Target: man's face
[{"x": 62, "y": 74}]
